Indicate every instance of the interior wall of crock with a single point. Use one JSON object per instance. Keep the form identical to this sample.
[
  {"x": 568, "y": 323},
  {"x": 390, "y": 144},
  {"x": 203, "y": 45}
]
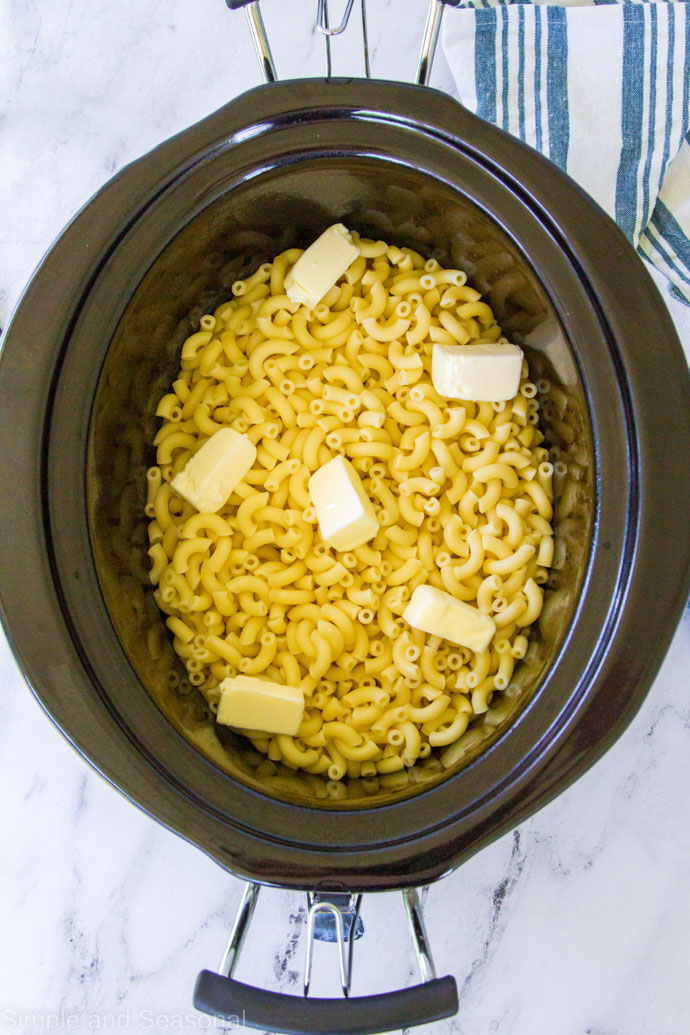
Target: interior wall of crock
[{"x": 226, "y": 241}]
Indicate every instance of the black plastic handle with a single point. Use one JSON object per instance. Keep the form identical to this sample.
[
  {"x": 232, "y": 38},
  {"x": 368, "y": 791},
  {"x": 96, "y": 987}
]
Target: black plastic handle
[{"x": 293, "y": 1015}]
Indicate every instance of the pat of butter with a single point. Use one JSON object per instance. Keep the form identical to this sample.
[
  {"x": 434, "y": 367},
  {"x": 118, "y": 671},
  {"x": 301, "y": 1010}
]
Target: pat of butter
[
  {"x": 320, "y": 266},
  {"x": 440, "y": 614},
  {"x": 258, "y": 704},
  {"x": 480, "y": 373},
  {"x": 207, "y": 480},
  {"x": 344, "y": 511}
]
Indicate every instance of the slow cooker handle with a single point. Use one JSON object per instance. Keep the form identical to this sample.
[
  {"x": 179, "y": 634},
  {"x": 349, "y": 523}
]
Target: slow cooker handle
[
  {"x": 221, "y": 995},
  {"x": 364, "y": 1015},
  {"x": 263, "y": 50},
  {"x": 258, "y": 31}
]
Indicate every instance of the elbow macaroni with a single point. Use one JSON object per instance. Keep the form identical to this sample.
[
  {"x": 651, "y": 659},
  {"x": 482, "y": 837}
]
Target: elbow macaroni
[{"x": 463, "y": 496}]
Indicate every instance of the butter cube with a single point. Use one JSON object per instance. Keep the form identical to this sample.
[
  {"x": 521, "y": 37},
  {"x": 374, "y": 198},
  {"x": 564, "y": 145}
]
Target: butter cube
[
  {"x": 480, "y": 373},
  {"x": 344, "y": 511},
  {"x": 207, "y": 480},
  {"x": 440, "y": 614},
  {"x": 320, "y": 266},
  {"x": 258, "y": 704}
]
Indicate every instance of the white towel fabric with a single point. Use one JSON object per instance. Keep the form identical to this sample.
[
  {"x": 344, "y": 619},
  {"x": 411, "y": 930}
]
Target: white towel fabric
[{"x": 603, "y": 89}]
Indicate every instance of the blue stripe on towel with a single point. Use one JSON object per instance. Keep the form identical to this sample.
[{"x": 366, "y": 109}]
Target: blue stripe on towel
[
  {"x": 631, "y": 121},
  {"x": 668, "y": 227},
  {"x": 651, "y": 243},
  {"x": 669, "y": 91},
  {"x": 557, "y": 85},
  {"x": 521, "y": 72},
  {"x": 686, "y": 77},
  {"x": 505, "y": 106},
  {"x": 537, "y": 78},
  {"x": 485, "y": 64},
  {"x": 679, "y": 297},
  {"x": 651, "y": 121}
]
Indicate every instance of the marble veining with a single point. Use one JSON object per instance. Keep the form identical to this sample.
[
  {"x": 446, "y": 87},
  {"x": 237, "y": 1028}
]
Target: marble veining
[{"x": 577, "y": 923}]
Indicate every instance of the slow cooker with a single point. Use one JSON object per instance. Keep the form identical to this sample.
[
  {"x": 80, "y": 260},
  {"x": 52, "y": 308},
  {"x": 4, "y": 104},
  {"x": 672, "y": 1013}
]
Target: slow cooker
[{"x": 90, "y": 347}]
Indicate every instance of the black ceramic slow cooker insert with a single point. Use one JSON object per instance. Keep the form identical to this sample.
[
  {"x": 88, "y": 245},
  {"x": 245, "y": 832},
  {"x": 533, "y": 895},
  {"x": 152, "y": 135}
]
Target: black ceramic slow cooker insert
[{"x": 96, "y": 337}]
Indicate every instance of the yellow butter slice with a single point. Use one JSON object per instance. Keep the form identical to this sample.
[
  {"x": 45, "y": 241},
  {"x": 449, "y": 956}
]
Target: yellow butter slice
[
  {"x": 208, "y": 479},
  {"x": 438, "y": 613},
  {"x": 345, "y": 513},
  {"x": 321, "y": 265},
  {"x": 248, "y": 702}
]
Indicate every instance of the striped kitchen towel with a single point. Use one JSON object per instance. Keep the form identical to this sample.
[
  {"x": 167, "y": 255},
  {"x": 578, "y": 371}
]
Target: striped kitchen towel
[{"x": 603, "y": 89}]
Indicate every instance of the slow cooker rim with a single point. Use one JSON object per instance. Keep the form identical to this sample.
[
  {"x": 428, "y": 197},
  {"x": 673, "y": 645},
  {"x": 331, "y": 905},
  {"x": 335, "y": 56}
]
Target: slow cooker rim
[{"x": 359, "y": 806}]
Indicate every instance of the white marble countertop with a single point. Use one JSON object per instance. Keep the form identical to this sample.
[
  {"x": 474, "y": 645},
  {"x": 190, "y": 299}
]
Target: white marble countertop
[{"x": 577, "y": 923}]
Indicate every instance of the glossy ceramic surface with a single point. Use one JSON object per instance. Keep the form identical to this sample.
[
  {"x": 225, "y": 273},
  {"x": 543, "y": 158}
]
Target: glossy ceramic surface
[{"x": 94, "y": 339}]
